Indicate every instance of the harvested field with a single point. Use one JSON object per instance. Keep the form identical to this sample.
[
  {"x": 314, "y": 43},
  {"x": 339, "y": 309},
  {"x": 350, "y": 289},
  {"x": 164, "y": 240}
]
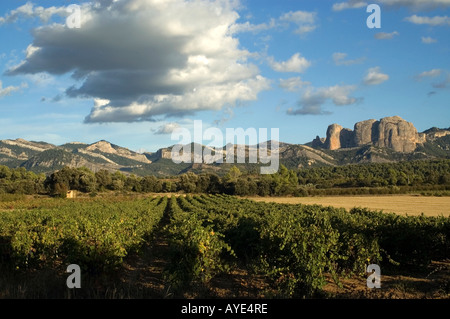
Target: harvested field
[{"x": 400, "y": 204}]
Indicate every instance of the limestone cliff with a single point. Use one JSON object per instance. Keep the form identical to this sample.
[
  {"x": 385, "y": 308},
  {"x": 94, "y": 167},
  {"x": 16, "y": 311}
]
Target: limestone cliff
[
  {"x": 333, "y": 141},
  {"x": 389, "y": 132}
]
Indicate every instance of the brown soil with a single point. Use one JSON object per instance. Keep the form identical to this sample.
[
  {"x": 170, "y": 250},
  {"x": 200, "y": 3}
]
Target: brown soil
[{"x": 432, "y": 283}]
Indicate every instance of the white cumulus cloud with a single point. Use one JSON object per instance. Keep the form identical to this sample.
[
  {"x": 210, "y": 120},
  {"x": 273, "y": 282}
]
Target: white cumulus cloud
[
  {"x": 305, "y": 20},
  {"x": 29, "y": 10},
  {"x": 349, "y": 5},
  {"x": 148, "y": 58},
  {"x": 428, "y": 40},
  {"x": 375, "y": 77},
  {"x": 410, "y": 4},
  {"x": 429, "y": 74},
  {"x": 385, "y": 35},
  {"x": 312, "y": 99},
  {"x": 431, "y": 21},
  {"x": 10, "y": 89},
  {"x": 418, "y": 4},
  {"x": 340, "y": 58},
  {"x": 167, "y": 128},
  {"x": 296, "y": 63},
  {"x": 293, "y": 84}
]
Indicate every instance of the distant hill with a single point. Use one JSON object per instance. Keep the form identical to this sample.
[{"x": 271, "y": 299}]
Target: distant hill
[{"x": 390, "y": 139}]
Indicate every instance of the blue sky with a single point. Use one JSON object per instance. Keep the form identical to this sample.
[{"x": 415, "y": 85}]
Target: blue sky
[{"x": 137, "y": 69}]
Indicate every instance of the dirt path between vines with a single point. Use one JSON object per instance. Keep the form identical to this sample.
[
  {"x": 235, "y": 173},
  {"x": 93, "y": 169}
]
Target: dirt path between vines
[{"x": 144, "y": 273}]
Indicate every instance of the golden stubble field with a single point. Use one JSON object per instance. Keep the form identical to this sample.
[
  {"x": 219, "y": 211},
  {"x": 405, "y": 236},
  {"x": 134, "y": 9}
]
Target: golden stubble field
[{"x": 401, "y": 204}]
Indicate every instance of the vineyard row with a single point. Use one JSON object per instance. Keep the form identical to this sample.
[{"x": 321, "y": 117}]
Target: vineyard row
[{"x": 295, "y": 247}]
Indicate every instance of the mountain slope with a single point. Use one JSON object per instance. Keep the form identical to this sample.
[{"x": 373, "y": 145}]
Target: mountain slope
[{"x": 387, "y": 140}]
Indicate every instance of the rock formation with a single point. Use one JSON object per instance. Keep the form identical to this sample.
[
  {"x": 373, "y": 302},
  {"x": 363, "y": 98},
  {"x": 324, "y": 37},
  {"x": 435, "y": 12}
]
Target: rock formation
[
  {"x": 346, "y": 138},
  {"x": 389, "y": 132},
  {"x": 318, "y": 142},
  {"x": 106, "y": 147},
  {"x": 333, "y": 141},
  {"x": 397, "y": 134},
  {"x": 364, "y": 132}
]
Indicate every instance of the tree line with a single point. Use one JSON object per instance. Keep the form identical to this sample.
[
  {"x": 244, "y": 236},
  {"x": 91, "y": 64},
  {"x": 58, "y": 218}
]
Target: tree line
[{"x": 374, "y": 178}]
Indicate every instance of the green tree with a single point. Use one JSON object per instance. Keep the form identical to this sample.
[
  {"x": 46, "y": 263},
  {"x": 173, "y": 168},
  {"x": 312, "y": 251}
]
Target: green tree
[
  {"x": 241, "y": 187},
  {"x": 203, "y": 183},
  {"x": 103, "y": 179},
  {"x": 151, "y": 184},
  {"x": 188, "y": 182},
  {"x": 118, "y": 181},
  {"x": 264, "y": 184},
  {"x": 118, "y": 184},
  {"x": 132, "y": 183},
  {"x": 87, "y": 182},
  {"x": 5, "y": 172},
  {"x": 60, "y": 190},
  {"x": 215, "y": 184},
  {"x": 168, "y": 187},
  {"x": 232, "y": 175},
  {"x": 444, "y": 179}
]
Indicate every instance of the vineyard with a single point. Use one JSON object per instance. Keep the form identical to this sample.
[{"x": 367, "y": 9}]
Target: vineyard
[{"x": 293, "y": 249}]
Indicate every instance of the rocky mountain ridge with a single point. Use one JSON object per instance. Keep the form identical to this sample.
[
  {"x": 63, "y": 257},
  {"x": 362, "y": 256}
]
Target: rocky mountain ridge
[
  {"x": 390, "y": 132},
  {"x": 389, "y": 139}
]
